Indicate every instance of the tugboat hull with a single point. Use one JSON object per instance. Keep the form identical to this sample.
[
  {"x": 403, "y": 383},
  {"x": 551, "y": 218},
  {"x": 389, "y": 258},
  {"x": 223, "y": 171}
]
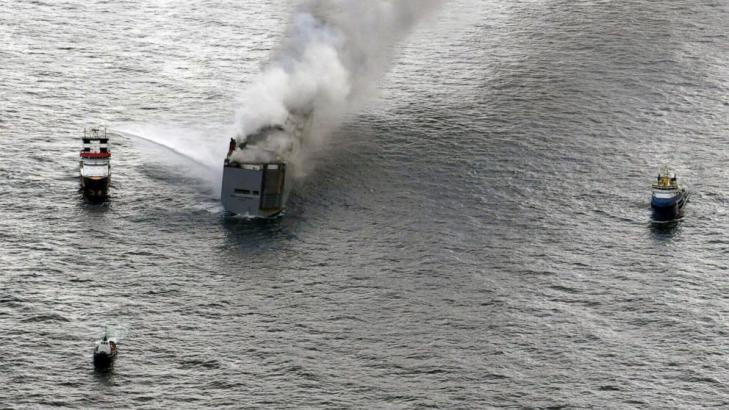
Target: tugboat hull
[
  {"x": 666, "y": 211},
  {"x": 104, "y": 360},
  {"x": 95, "y": 187}
]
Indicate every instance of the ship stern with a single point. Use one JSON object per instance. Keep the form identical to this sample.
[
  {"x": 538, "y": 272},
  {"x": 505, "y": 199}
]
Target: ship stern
[{"x": 254, "y": 190}]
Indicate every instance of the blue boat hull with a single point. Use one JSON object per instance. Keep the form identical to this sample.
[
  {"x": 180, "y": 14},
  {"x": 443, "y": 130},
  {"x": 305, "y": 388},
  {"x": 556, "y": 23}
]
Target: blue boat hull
[{"x": 664, "y": 211}]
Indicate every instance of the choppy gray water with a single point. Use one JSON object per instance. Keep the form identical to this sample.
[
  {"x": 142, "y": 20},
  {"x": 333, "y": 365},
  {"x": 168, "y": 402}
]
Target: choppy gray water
[{"x": 477, "y": 237}]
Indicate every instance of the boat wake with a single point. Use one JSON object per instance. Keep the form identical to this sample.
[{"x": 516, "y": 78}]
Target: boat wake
[{"x": 668, "y": 222}]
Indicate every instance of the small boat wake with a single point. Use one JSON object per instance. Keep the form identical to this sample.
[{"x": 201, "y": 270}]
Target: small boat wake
[{"x": 666, "y": 223}]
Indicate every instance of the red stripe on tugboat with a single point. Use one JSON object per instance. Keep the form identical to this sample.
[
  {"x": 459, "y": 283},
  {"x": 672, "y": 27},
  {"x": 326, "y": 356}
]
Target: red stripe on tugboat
[{"x": 95, "y": 155}]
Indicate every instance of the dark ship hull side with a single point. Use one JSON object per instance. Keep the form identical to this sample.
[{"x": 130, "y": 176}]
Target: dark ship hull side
[
  {"x": 669, "y": 212},
  {"x": 103, "y": 360},
  {"x": 95, "y": 187}
]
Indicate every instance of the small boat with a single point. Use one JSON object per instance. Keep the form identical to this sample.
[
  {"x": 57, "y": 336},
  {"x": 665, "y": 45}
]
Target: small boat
[
  {"x": 668, "y": 198},
  {"x": 105, "y": 352},
  {"x": 95, "y": 164}
]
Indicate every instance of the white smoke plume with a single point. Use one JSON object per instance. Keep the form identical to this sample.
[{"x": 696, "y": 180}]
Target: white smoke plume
[{"x": 329, "y": 62}]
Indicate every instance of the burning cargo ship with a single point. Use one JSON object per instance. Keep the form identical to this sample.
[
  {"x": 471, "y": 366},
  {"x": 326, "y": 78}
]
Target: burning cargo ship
[
  {"x": 95, "y": 164},
  {"x": 256, "y": 178}
]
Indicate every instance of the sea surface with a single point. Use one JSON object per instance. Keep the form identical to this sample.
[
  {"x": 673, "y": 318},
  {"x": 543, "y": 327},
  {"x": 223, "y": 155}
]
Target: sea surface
[{"x": 477, "y": 236}]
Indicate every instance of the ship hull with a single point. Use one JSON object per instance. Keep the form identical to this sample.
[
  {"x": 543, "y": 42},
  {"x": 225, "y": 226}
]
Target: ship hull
[
  {"x": 95, "y": 188},
  {"x": 104, "y": 360},
  {"x": 666, "y": 211},
  {"x": 255, "y": 190}
]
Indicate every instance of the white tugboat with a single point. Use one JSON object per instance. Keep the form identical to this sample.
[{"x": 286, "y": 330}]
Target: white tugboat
[
  {"x": 95, "y": 164},
  {"x": 256, "y": 172}
]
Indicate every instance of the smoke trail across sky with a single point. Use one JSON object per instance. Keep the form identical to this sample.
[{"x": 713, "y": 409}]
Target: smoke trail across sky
[{"x": 329, "y": 62}]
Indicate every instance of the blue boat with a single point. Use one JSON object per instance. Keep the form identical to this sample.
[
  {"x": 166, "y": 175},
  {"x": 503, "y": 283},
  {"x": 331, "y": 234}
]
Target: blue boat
[{"x": 668, "y": 197}]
